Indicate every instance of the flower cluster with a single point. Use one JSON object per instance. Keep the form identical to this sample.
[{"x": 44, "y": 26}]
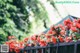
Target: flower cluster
[
  {"x": 14, "y": 44},
  {"x": 69, "y": 31}
]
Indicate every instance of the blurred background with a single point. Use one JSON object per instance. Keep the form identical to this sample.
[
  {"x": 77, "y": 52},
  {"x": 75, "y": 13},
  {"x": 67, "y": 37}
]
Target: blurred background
[{"x": 23, "y": 18}]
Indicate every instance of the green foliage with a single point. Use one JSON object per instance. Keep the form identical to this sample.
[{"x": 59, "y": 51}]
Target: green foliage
[
  {"x": 40, "y": 13},
  {"x": 8, "y": 18},
  {"x": 3, "y": 35},
  {"x": 14, "y": 17}
]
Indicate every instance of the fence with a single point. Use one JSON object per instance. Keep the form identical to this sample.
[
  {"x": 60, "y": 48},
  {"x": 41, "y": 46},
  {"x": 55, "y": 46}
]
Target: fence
[
  {"x": 4, "y": 48},
  {"x": 72, "y": 47}
]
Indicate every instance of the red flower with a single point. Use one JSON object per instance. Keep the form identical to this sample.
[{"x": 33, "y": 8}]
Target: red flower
[
  {"x": 26, "y": 39},
  {"x": 42, "y": 43},
  {"x": 33, "y": 38},
  {"x": 54, "y": 40},
  {"x": 48, "y": 40},
  {"x": 48, "y": 36},
  {"x": 61, "y": 39},
  {"x": 10, "y": 50},
  {"x": 54, "y": 32},
  {"x": 11, "y": 47},
  {"x": 78, "y": 25},
  {"x": 50, "y": 32},
  {"x": 75, "y": 20},
  {"x": 73, "y": 28},
  {"x": 29, "y": 44},
  {"x": 7, "y": 43},
  {"x": 68, "y": 23},
  {"x": 17, "y": 49},
  {"x": 68, "y": 39},
  {"x": 21, "y": 45},
  {"x": 61, "y": 26},
  {"x": 78, "y": 21},
  {"x": 38, "y": 39},
  {"x": 62, "y": 32},
  {"x": 56, "y": 27}
]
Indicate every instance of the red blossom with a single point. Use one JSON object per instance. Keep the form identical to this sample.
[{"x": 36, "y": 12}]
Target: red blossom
[
  {"x": 43, "y": 43},
  {"x": 68, "y": 23},
  {"x": 17, "y": 50},
  {"x": 54, "y": 40},
  {"x": 21, "y": 45},
  {"x": 13, "y": 45},
  {"x": 7, "y": 43},
  {"x": 33, "y": 38},
  {"x": 61, "y": 26},
  {"x": 26, "y": 39},
  {"x": 48, "y": 36},
  {"x": 50, "y": 32},
  {"x": 75, "y": 20},
  {"x": 62, "y": 32},
  {"x": 48, "y": 40},
  {"x": 78, "y": 20},
  {"x": 78, "y": 25},
  {"x": 68, "y": 39},
  {"x": 38, "y": 39},
  {"x": 73, "y": 28},
  {"x": 61, "y": 39},
  {"x": 54, "y": 32}
]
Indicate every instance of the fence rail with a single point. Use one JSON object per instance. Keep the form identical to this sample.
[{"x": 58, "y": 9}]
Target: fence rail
[{"x": 71, "y": 47}]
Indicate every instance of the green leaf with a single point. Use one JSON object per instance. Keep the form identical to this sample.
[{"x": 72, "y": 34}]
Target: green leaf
[
  {"x": 77, "y": 34},
  {"x": 10, "y": 1}
]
